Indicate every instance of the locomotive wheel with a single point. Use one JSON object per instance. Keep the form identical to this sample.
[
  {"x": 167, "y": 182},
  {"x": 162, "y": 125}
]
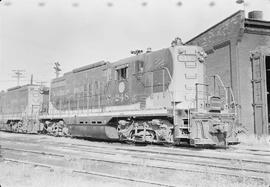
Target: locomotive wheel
[{"x": 140, "y": 137}]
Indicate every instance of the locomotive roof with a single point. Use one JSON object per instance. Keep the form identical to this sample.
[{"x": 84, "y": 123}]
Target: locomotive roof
[
  {"x": 18, "y": 87},
  {"x": 136, "y": 57},
  {"x": 105, "y": 63},
  {"x": 80, "y": 69},
  {"x": 90, "y": 66}
]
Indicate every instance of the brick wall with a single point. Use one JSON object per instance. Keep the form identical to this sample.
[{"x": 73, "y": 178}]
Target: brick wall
[
  {"x": 220, "y": 44},
  {"x": 226, "y": 30}
]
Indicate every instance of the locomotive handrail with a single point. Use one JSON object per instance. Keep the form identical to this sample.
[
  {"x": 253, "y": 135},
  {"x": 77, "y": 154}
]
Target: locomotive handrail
[
  {"x": 173, "y": 93},
  {"x": 225, "y": 90},
  {"x": 196, "y": 93},
  {"x": 150, "y": 71},
  {"x": 235, "y": 112}
]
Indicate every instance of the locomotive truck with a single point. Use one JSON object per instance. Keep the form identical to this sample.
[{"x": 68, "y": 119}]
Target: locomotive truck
[{"x": 156, "y": 97}]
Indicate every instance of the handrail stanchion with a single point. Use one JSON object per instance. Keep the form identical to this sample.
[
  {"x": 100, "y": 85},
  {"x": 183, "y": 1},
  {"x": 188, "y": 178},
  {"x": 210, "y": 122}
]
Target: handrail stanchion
[
  {"x": 173, "y": 94},
  {"x": 196, "y": 96}
]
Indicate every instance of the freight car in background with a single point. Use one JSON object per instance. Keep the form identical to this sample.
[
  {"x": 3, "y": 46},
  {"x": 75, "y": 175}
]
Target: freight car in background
[
  {"x": 154, "y": 97},
  {"x": 20, "y": 107}
]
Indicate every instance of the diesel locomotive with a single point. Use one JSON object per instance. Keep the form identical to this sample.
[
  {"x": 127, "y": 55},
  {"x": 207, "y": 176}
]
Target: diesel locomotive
[{"x": 159, "y": 96}]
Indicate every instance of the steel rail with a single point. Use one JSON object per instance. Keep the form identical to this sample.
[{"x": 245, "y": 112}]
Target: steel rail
[
  {"x": 177, "y": 153},
  {"x": 172, "y": 159},
  {"x": 159, "y": 152},
  {"x": 99, "y": 174},
  {"x": 159, "y": 166}
]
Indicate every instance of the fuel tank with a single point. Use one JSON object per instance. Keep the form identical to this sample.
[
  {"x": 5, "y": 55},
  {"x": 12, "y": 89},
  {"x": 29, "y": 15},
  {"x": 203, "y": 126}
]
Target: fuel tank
[{"x": 104, "y": 132}]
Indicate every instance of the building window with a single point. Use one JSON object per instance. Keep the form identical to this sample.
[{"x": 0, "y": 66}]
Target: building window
[{"x": 122, "y": 73}]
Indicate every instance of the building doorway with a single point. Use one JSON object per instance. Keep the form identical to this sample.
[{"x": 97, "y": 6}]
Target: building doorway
[
  {"x": 261, "y": 91},
  {"x": 267, "y": 69}
]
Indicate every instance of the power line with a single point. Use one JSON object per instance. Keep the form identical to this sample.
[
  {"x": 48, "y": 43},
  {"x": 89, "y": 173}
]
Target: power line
[
  {"x": 18, "y": 75},
  {"x": 11, "y": 80}
]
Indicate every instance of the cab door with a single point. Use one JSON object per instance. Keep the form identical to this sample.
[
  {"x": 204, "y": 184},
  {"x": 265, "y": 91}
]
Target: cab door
[{"x": 259, "y": 93}]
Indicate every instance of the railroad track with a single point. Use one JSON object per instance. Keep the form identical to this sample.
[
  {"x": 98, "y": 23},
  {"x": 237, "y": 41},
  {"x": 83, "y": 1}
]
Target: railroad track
[
  {"x": 226, "y": 170},
  {"x": 178, "y": 158},
  {"x": 167, "y": 152},
  {"x": 244, "y": 151},
  {"x": 161, "y": 150},
  {"x": 168, "y": 155},
  {"x": 99, "y": 174},
  {"x": 181, "y": 152},
  {"x": 157, "y": 150},
  {"x": 220, "y": 166},
  {"x": 240, "y": 150}
]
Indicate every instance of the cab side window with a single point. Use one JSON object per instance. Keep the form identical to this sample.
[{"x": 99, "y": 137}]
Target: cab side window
[
  {"x": 140, "y": 66},
  {"x": 122, "y": 73}
]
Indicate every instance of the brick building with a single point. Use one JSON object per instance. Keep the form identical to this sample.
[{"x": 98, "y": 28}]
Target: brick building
[{"x": 238, "y": 50}]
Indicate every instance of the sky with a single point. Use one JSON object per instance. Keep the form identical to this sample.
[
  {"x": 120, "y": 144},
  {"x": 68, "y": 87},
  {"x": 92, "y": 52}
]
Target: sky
[{"x": 36, "y": 33}]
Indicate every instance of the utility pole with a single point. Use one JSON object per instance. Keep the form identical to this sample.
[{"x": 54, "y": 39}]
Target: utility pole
[
  {"x": 57, "y": 69},
  {"x": 18, "y": 75}
]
